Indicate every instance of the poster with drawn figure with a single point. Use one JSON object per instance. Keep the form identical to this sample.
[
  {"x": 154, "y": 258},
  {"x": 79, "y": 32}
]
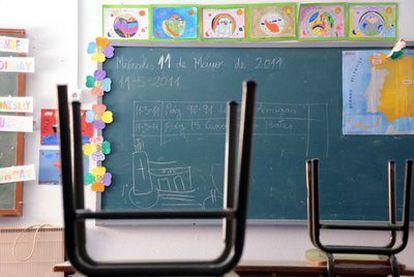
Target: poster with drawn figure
[
  {"x": 378, "y": 93},
  {"x": 373, "y": 21},
  {"x": 48, "y": 127},
  {"x": 175, "y": 23},
  {"x": 278, "y": 21},
  {"x": 325, "y": 21},
  {"x": 224, "y": 23},
  {"x": 50, "y": 167},
  {"x": 124, "y": 23}
]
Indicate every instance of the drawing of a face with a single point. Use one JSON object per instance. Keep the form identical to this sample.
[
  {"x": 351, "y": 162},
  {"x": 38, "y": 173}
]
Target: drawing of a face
[
  {"x": 174, "y": 26},
  {"x": 371, "y": 23},
  {"x": 272, "y": 23},
  {"x": 126, "y": 25},
  {"x": 223, "y": 25},
  {"x": 321, "y": 23}
]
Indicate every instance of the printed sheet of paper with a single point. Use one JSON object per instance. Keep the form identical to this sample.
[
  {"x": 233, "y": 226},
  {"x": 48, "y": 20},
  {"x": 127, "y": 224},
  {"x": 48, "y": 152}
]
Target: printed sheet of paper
[
  {"x": 378, "y": 93},
  {"x": 14, "y": 44},
  {"x": 16, "y": 123},
  {"x": 17, "y": 64},
  {"x": 48, "y": 134},
  {"x": 17, "y": 174},
  {"x": 50, "y": 167},
  {"x": 16, "y": 104}
]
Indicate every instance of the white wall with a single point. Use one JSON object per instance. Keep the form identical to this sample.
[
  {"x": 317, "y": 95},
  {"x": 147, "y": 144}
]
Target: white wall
[{"x": 53, "y": 43}]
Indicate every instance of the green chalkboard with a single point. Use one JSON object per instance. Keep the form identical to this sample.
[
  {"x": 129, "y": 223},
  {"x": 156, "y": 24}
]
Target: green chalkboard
[
  {"x": 168, "y": 134},
  {"x": 8, "y": 144}
]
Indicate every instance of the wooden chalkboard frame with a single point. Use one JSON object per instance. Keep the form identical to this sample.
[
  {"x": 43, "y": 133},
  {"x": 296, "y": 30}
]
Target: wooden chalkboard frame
[
  {"x": 18, "y": 194},
  {"x": 262, "y": 44}
]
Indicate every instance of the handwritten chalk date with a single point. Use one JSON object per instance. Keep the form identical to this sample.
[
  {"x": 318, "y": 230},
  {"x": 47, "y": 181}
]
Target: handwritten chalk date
[
  {"x": 144, "y": 81},
  {"x": 265, "y": 63}
]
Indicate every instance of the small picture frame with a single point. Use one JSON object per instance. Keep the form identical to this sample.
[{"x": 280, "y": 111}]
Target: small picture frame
[
  {"x": 224, "y": 23},
  {"x": 373, "y": 21},
  {"x": 322, "y": 21},
  {"x": 125, "y": 22},
  {"x": 175, "y": 23},
  {"x": 276, "y": 21}
]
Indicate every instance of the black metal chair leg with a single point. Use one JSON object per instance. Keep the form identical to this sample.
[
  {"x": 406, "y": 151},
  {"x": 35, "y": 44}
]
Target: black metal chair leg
[
  {"x": 395, "y": 270},
  {"x": 330, "y": 264}
]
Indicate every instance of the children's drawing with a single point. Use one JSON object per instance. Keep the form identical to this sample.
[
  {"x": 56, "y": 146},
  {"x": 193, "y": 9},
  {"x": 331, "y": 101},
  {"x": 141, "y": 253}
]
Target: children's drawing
[
  {"x": 325, "y": 21},
  {"x": 48, "y": 127},
  {"x": 50, "y": 167},
  {"x": 125, "y": 23},
  {"x": 222, "y": 23},
  {"x": 277, "y": 21},
  {"x": 373, "y": 21},
  {"x": 175, "y": 23}
]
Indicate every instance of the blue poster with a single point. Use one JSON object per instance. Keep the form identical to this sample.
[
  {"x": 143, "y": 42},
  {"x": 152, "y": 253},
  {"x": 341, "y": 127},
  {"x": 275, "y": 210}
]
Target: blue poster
[
  {"x": 174, "y": 23},
  {"x": 50, "y": 167}
]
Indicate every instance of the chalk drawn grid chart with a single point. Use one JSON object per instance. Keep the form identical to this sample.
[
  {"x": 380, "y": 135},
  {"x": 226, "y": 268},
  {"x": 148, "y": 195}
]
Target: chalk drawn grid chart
[{"x": 168, "y": 139}]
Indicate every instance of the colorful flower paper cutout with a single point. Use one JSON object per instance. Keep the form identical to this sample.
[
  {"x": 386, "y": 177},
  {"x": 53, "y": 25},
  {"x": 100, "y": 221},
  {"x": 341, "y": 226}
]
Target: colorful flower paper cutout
[
  {"x": 99, "y": 83},
  {"x": 99, "y": 116},
  {"x": 89, "y": 179},
  {"x": 107, "y": 179},
  {"x": 106, "y": 147},
  {"x": 100, "y": 49}
]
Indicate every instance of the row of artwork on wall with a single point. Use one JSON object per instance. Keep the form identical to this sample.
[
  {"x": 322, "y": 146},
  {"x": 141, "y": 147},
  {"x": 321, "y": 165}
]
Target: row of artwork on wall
[{"x": 270, "y": 21}]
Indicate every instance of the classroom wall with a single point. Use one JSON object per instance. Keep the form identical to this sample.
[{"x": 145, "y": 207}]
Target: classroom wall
[{"x": 55, "y": 39}]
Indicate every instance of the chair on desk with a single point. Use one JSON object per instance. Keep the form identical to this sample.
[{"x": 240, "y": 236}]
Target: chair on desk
[
  {"x": 389, "y": 249},
  {"x": 237, "y": 172}
]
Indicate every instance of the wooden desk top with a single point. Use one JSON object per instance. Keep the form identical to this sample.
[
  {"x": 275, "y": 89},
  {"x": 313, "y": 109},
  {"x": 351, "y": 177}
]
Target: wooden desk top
[{"x": 255, "y": 268}]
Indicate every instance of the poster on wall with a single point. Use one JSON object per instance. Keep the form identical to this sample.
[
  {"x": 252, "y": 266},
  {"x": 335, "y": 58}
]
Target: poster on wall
[
  {"x": 272, "y": 21},
  {"x": 48, "y": 127},
  {"x": 378, "y": 96},
  {"x": 375, "y": 21},
  {"x": 50, "y": 167},
  {"x": 322, "y": 21},
  {"x": 175, "y": 23},
  {"x": 125, "y": 22},
  {"x": 224, "y": 22}
]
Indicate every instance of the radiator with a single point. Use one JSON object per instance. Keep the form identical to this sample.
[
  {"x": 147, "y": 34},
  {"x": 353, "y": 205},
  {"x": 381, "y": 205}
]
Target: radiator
[{"x": 32, "y": 251}]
